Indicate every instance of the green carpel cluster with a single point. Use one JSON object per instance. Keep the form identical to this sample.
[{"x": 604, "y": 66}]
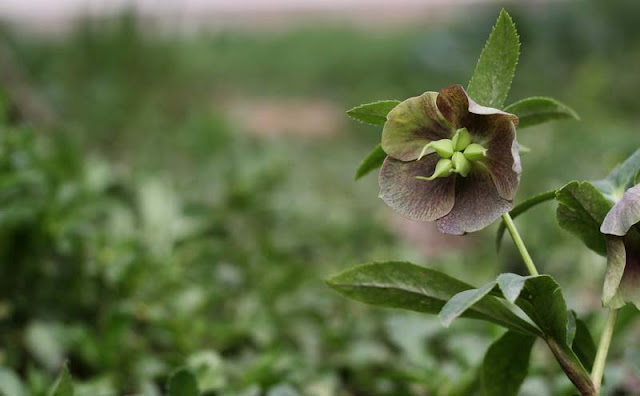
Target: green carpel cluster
[{"x": 456, "y": 155}]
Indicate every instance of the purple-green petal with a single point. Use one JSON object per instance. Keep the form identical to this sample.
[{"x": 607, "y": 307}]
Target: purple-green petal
[
  {"x": 622, "y": 277},
  {"x": 411, "y": 125},
  {"x": 503, "y": 159},
  {"x": 461, "y": 111},
  {"x": 624, "y": 214},
  {"x": 616, "y": 261},
  {"x": 415, "y": 199},
  {"x": 477, "y": 205}
]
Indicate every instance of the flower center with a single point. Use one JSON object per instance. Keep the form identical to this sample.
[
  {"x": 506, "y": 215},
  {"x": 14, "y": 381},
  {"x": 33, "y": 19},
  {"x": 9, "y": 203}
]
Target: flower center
[{"x": 456, "y": 155}]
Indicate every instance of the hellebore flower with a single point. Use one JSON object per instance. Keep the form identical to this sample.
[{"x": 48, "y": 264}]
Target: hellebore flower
[
  {"x": 620, "y": 226},
  {"x": 449, "y": 160}
]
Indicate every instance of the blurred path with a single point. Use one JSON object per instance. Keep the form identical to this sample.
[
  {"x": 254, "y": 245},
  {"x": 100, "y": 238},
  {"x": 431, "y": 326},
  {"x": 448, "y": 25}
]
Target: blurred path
[{"x": 186, "y": 15}]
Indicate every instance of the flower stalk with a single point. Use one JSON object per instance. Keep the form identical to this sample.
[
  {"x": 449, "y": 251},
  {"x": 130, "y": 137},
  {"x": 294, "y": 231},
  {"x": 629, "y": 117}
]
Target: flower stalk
[
  {"x": 526, "y": 257},
  {"x": 603, "y": 349}
]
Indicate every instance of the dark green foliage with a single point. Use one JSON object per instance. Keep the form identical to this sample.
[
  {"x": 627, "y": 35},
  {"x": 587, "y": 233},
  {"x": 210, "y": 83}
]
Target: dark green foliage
[
  {"x": 182, "y": 383},
  {"x": 506, "y": 364},
  {"x": 581, "y": 210},
  {"x": 539, "y": 110}
]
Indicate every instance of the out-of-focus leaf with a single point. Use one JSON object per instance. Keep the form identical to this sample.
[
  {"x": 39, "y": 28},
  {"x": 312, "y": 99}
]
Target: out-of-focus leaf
[
  {"x": 621, "y": 178},
  {"x": 581, "y": 210},
  {"x": 283, "y": 390},
  {"x": 492, "y": 77},
  {"x": 373, "y": 113},
  {"x": 63, "y": 386},
  {"x": 182, "y": 383},
  {"x": 521, "y": 208},
  {"x": 10, "y": 384},
  {"x": 538, "y": 110},
  {"x": 403, "y": 285},
  {"x": 371, "y": 162},
  {"x": 208, "y": 368},
  {"x": 43, "y": 341},
  {"x": 506, "y": 363}
]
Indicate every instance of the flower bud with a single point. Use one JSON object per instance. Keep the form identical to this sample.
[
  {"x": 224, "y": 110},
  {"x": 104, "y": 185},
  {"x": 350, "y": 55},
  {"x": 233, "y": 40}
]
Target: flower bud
[
  {"x": 475, "y": 152},
  {"x": 461, "y": 139},
  {"x": 461, "y": 165},
  {"x": 444, "y": 167}
]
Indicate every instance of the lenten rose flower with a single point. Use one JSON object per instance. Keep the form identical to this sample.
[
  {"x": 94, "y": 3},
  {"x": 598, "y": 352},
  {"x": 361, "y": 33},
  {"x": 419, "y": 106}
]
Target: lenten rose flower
[
  {"x": 449, "y": 160},
  {"x": 622, "y": 279}
]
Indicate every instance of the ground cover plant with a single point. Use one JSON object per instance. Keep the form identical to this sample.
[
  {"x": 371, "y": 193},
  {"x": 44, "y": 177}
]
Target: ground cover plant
[
  {"x": 452, "y": 157},
  {"x": 151, "y": 232}
]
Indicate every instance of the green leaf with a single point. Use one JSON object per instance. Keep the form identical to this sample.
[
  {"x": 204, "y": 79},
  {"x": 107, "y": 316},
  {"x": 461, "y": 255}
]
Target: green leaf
[
  {"x": 373, "y": 113},
  {"x": 182, "y": 383},
  {"x": 521, "y": 208},
  {"x": 63, "y": 386},
  {"x": 491, "y": 80},
  {"x": 583, "y": 344},
  {"x": 371, "y": 162},
  {"x": 541, "y": 299},
  {"x": 506, "y": 363},
  {"x": 581, "y": 210},
  {"x": 403, "y": 285},
  {"x": 538, "y": 110},
  {"x": 621, "y": 178},
  {"x": 511, "y": 285},
  {"x": 462, "y": 301}
]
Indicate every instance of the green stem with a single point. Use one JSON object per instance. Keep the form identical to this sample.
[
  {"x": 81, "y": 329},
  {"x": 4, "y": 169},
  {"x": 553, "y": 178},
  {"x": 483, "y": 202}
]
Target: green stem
[
  {"x": 603, "y": 349},
  {"x": 508, "y": 221}
]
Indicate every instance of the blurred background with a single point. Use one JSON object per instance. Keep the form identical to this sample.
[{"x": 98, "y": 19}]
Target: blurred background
[{"x": 177, "y": 179}]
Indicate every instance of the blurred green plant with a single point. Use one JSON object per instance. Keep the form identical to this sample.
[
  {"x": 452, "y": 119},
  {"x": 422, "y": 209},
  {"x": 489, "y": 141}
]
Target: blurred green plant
[{"x": 208, "y": 244}]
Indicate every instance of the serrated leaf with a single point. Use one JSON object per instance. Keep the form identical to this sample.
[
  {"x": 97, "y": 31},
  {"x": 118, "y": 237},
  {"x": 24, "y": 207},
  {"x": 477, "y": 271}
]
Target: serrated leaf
[
  {"x": 522, "y": 208},
  {"x": 461, "y": 302},
  {"x": 371, "y": 162},
  {"x": 538, "y": 110},
  {"x": 63, "y": 385},
  {"x": 182, "y": 383},
  {"x": 373, "y": 113},
  {"x": 492, "y": 77},
  {"x": 581, "y": 210},
  {"x": 403, "y": 285},
  {"x": 506, "y": 364}
]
